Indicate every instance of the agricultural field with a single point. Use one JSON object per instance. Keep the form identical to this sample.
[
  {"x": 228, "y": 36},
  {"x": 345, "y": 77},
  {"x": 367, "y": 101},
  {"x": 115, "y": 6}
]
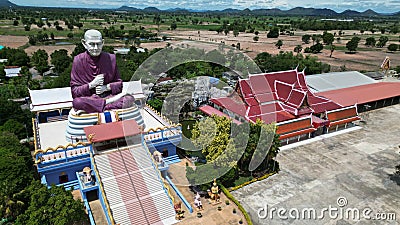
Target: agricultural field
[{"x": 64, "y": 28}]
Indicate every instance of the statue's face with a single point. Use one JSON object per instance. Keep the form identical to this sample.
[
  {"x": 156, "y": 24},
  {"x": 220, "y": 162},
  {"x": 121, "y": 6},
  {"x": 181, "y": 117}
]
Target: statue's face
[{"x": 93, "y": 45}]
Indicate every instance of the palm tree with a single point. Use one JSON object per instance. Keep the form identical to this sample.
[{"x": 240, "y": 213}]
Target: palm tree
[{"x": 332, "y": 49}]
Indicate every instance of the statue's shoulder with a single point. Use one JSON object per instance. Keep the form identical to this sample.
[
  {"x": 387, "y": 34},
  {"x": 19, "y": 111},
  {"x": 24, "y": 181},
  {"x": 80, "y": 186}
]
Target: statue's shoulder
[{"x": 80, "y": 56}]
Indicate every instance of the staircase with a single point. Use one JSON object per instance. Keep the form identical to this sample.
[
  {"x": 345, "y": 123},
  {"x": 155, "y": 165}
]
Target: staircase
[
  {"x": 133, "y": 188},
  {"x": 172, "y": 159}
]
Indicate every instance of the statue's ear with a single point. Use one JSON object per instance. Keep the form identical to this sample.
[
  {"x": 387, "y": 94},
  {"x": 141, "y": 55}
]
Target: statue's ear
[
  {"x": 84, "y": 43},
  {"x": 102, "y": 41}
]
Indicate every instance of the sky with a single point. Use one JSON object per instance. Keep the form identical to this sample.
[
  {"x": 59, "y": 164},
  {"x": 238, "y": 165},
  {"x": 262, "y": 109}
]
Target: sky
[{"x": 382, "y": 6}]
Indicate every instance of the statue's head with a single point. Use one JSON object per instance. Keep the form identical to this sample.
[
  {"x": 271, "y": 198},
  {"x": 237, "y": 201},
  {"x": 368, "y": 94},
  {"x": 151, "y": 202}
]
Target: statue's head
[{"x": 93, "y": 42}]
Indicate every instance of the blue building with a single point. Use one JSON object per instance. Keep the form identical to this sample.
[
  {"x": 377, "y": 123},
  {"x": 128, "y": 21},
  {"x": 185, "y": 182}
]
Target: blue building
[{"x": 117, "y": 160}]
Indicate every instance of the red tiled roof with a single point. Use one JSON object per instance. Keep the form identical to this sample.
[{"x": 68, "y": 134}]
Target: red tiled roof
[
  {"x": 110, "y": 131},
  {"x": 296, "y": 98},
  {"x": 266, "y": 97},
  {"x": 259, "y": 84},
  {"x": 230, "y": 104},
  {"x": 245, "y": 88},
  {"x": 212, "y": 111},
  {"x": 364, "y": 93},
  {"x": 283, "y": 90},
  {"x": 251, "y": 101}
]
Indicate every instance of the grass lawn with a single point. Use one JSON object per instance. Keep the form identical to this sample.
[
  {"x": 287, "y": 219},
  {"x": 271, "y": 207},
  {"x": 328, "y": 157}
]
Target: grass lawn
[{"x": 185, "y": 125}]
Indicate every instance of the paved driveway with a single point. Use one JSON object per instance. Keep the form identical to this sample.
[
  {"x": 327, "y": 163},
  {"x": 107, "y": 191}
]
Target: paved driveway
[{"x": 353, "y": 168}]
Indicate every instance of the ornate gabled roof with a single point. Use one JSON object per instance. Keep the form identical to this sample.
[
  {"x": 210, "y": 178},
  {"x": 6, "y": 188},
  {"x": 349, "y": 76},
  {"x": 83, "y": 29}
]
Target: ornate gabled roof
[{"x": 276, "y": 96}]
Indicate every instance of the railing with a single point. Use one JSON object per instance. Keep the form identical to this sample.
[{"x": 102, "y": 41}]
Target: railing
[
  {"x": 180, "y": 195},
  {"x": 87, "y": 206},
  {"x": 91, "y": 218},
  {"x": 162, "y": 134},
  {"x": 110, "y": 217},
  {"x": 172, "y": 200},
  {"x": 61, "y": 154},
  {"x": 35, "y": 136}
]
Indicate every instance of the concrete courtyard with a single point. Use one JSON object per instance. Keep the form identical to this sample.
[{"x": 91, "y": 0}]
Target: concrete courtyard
[{"x": 339, "y": 177}]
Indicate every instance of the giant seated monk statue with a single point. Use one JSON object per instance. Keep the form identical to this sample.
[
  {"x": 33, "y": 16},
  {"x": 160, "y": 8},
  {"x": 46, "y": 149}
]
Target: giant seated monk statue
[{"x": 96, "y": 85}]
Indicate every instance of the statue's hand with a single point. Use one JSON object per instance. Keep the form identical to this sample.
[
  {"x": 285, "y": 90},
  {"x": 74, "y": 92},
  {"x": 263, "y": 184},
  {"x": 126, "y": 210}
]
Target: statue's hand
[
  {"x": 97, "y": 81},
  {"x": 102, "y": 88}
]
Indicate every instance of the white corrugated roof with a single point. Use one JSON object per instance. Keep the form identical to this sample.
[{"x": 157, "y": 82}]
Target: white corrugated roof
[
  {"x": 134, "y": 88},
  {"x": 12, "y": 72},
  {"x": 47, "y": 99},
  {"x": 337, "y": 80}
]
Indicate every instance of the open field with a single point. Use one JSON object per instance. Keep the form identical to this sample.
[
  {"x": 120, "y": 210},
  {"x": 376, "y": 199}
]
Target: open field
[{"x": 366, "y": 58}]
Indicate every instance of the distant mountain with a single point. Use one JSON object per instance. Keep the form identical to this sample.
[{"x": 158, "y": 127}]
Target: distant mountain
[
  {"x": 350, "y": 13},
  {"x": 269, "y": 12},
  {"x": 128, "y": 8},
  {"x": 151, "y": 10},
  {"x": 298, "y": 11},
  {"x": 6, "y": 3},
  {"x": 179, "y": 10},
  {"x": 311, "y": 12},
  {"x": 230, "y": 10},
  {"x": 370, "y": 12}
]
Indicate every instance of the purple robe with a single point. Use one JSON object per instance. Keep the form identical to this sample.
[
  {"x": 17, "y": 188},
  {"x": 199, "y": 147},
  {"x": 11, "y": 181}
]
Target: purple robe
[{"x": 84, "y": 69}]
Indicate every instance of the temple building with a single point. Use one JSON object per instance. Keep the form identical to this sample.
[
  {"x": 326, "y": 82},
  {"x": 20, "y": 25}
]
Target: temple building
[
  {"x": 301, "y": 111},
  {"x": 116, "y": 159}
]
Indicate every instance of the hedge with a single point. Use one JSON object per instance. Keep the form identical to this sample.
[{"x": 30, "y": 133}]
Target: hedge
[{"x": 230, "y": 196}]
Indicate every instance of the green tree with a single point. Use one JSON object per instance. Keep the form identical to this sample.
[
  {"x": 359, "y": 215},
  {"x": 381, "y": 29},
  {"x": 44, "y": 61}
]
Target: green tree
[
  {"x": 15, "y": 23},
  {"x": 306, "y": 38},
  {"x": 298, "y": 49},
  {"x": 60, "y": 60},
  {"x": 273, "y": 33},
  {"x": 40, "y": 60},
  {"x": 173, "y": 26},
  {"x": 317, "y": 48},
  {"x": 79, "y": 48},
  {"x": 157, "y": 21},
  {"x": 382, "y": 41},
  {"x": 352, "y": 45},
  {"x": 328, "y": 38},
  {"x": 16, "y": 164},
  {"x": 332, "y": 48},
  {"x": 16, "y": 57},
  {"x": 279, "y": 43},
  {"x": 235, "y": 33},
  {"x": 393, "y": 47},
  {"x": 156, "y": 104},
  {"x": 370, "y": 41},
  {"x": 52, "y": 206},
  {"x": 12, "y": 202},
  {"x": 14, "y": 127}
]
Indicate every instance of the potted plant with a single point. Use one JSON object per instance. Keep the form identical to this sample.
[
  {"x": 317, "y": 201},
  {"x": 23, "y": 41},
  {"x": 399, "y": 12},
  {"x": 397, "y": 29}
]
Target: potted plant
[
  {"x": 227, "y": 202},
  {"x": 234, "y": 210},
  {"x": 219, "y": 208},
  {"x": 240, "y": 221}
]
